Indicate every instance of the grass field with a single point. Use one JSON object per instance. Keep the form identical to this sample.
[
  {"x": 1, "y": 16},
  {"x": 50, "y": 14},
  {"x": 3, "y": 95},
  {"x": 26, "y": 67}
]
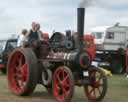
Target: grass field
[
  {"x": 117, "y": 92},
  {"x": 117, "y": 89}
]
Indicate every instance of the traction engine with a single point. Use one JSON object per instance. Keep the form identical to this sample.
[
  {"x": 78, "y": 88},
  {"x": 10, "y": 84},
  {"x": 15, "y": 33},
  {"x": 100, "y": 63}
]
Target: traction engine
[{"x": 58, "y": 63}]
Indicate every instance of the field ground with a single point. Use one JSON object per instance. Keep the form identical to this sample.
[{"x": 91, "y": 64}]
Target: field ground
[{"x": 117, "y": 92}]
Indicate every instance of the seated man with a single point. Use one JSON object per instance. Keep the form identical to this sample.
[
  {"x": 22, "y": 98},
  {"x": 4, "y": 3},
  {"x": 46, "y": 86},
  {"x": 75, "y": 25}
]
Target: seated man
[{"x": 33, "y": 34}]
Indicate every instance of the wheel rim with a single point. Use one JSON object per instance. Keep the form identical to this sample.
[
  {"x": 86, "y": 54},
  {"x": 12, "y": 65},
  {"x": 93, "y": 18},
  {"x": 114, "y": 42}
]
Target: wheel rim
[
  {"x": 18, "y": 72},
  {"x": 96, "y": 90},
  {"x": 62, "y": 85}
]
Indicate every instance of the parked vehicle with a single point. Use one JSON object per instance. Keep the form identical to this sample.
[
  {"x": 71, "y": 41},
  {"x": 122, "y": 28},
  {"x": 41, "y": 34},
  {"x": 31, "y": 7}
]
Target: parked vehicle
[
  {"x": 6, "y": 47},
  {"x": 59, "y": 64},
  {"x": 111, "y": 44}
]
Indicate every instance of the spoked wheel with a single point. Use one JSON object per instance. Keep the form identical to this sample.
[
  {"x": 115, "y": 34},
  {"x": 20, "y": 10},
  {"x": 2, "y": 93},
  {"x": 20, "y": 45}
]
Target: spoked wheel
[
  {"x": 63, "y": 84},
  {"x": 98, "y": 85},
  {"x": 22, "y": 71}
]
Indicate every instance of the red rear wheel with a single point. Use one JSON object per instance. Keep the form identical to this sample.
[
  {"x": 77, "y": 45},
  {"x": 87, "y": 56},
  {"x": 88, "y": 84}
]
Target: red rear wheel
[
  {"x": 63, "y": 84},
  {"x": 98, "y": 85},
  {"x": 22, "y": 72}
]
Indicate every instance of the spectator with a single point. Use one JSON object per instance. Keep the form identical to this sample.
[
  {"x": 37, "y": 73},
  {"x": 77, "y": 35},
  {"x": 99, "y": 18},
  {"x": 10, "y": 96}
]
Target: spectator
[{"x": 22, "y": 38}]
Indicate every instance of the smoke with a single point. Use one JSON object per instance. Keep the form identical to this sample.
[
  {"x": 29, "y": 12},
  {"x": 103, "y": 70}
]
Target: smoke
[
  {"x": 85, "y": 3},
  {"x": 101, "y": 4}
]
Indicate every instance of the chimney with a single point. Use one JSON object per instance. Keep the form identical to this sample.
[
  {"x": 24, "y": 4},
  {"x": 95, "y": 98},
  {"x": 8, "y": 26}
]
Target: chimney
[{"x": 80, "y": 27}]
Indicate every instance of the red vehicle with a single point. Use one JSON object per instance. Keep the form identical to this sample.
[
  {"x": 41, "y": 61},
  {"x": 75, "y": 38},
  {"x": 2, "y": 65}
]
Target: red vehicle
[
  {"x": 89, "y": 45},
  {"x": 59, "y": 65}
]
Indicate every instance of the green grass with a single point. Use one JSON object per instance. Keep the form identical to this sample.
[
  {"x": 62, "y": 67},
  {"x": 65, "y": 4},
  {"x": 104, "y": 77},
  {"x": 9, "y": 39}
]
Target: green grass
[{"x": 117, "y": 90}]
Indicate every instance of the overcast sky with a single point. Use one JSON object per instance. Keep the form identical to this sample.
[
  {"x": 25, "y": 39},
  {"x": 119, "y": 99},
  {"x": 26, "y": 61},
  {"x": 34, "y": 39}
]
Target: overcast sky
[{"x": 58, "y": 14}]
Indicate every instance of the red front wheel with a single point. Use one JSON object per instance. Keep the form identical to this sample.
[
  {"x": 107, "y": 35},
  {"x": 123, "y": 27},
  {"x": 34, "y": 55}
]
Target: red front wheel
[
  {"x": 22, "y": 71},
  {"x": 63, "y": 84},
  {"x": 98, "y": 85}
]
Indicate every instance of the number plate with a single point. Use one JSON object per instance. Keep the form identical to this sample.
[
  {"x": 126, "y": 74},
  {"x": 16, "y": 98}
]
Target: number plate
[{"x": 85, "y": 73}]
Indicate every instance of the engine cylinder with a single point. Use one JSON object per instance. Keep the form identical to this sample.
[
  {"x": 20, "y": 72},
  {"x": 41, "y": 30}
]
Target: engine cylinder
[{"x": 78, "y": 59}]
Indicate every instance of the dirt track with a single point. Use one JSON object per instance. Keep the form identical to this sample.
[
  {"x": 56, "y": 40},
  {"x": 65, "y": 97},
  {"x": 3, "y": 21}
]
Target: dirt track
[
  {"x": 117, "y": 92},
  {"x": 39, "y": 95}
]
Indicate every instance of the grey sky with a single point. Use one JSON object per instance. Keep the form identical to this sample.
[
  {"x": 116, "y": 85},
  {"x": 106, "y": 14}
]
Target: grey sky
[{"x": 58, "y": 14}]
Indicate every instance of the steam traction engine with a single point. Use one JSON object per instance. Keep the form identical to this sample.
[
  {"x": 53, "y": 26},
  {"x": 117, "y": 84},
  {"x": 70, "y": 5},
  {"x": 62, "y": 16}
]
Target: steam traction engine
[{"x": 59, "y": 64}]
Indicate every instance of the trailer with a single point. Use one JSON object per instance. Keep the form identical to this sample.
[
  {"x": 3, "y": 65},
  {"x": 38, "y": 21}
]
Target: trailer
[{"x": 111, "y": 43}]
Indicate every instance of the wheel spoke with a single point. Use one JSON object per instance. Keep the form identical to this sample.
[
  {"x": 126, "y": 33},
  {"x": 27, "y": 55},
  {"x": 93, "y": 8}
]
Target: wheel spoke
[
  {"x": 91, "y": 90},
  {"x": 20, "y": 84},
  {"x": 58, "y": 78},
  {"x": 23, "y": 70},
  {"x": 99, "y": 78},
  {"x": 64, "y": 90},
  {"x": 20, "y": 60},
  {"x": 65, "y": 79},
  {"x": 99, "y": 90},
  {"x": 17, "y": 68},
  {"x": 100, "y": 85},
  {"x": 93, "y": 74},
  {"x": 94, "y": 93},
  {"x": 63, "y": 73},
  {"x": 23, "y": 67}
]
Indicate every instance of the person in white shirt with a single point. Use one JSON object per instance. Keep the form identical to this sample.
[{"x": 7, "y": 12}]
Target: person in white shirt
[{"x": 22, "y": 38}]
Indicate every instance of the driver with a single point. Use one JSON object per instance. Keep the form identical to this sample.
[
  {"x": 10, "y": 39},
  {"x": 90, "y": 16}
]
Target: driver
[{"x": 33, "y": 33}]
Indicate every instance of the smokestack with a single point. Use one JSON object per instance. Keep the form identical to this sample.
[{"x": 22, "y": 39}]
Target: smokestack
[{"x": 80, "y": 27}]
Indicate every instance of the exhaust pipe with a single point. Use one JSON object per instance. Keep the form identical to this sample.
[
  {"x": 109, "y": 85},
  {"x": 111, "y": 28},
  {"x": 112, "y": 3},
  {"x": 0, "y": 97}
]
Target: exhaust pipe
[{"x": 80, "y": 27}]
